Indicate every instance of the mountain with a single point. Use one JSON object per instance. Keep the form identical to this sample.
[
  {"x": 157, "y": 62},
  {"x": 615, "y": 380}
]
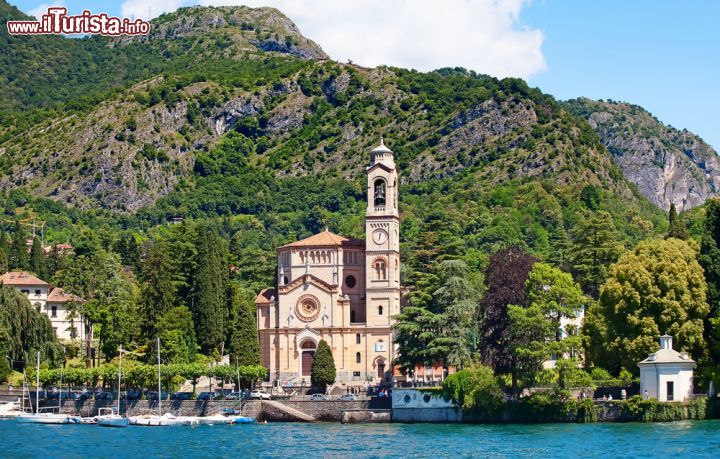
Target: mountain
[
  {"x": 49, "y": 71},
  {"x": 224, "y": 113},
  {"x": 668, "y": 165}
]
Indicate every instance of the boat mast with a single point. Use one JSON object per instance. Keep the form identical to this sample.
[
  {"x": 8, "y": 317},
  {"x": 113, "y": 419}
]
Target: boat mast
[
  {"x": 120, "y": 350},
  {"x": 159, "y": 381},
  {"x": 37, "y": 385},
  {"x": 61, "y": 378}
]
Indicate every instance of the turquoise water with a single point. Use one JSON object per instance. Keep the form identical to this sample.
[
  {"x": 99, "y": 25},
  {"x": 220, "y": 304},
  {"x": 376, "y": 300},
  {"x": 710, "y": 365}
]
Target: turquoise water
[{"x": 677, "y": 439}]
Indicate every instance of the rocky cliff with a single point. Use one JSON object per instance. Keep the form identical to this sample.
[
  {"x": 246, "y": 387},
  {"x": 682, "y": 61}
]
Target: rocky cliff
[{"x": 668, "y": 165}]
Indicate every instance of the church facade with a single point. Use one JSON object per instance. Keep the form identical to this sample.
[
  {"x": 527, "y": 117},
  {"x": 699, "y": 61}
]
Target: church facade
[{"x": 341, "y": 290}]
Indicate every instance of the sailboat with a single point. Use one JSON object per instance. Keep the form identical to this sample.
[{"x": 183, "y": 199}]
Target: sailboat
[
  {"x": 46, "y": 418},
  {"x": 106, "y": 416},
  {"x": 157, "y": 420}
]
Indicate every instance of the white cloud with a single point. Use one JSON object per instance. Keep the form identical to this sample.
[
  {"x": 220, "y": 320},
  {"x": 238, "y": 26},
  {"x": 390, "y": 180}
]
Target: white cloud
[
  {"x": 42, "y": 8},
  {"x": 148, "y": 9},
  {"x": 483, "y": 35}
]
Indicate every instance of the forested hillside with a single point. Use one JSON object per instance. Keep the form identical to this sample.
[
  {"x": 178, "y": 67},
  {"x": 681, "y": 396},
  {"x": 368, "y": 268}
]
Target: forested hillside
[{"x": 231, "y": 121}]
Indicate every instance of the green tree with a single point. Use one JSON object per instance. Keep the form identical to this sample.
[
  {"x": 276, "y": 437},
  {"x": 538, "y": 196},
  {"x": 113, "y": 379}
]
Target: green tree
[
  {"x": 157, "y": 295},
  {"x": 18, "y": 248},
  {"x": 595, "y": 247},
  {"x": 37, "y": 258},
  {"x": 4, "y": 251},
  {"x": 456, "y": 302},
  {"x": 322, "y": 373},
  {"x": 210, "y": 290},
  {"x": 710, "y": 261},
  {"x": 24, "y": 331},
  {"x": 676, "y": 227},
  {"x": 244, "y": 343},
  {"x": 655, "y": 289},
  {"x": 177, "y": 335},
  {"x": 536, "y": 331},
  {"x": 475, "y": 389}
]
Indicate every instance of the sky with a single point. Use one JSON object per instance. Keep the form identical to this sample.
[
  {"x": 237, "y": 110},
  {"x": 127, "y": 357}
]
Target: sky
[{"x": 663, "y": 55}]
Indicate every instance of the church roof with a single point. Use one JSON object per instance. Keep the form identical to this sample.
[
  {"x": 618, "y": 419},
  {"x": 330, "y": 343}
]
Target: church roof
[
  {"x": 325, "y": 239},
  {"x": 19, "y": 278},
  {"x": 266, "y": 296}
]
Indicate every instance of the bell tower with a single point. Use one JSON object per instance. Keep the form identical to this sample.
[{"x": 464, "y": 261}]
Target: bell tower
[{"x": 382, "y": 239}]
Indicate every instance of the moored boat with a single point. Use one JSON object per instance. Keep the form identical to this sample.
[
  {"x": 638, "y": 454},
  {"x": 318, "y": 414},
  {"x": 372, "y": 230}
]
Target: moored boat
[{"x": 107, "y": 417}]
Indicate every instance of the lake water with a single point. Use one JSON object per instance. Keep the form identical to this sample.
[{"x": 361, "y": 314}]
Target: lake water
[{"x": 677, "y": 439}]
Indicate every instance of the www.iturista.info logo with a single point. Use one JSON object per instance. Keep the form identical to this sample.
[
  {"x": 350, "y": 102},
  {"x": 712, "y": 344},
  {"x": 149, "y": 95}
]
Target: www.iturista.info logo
[{"x": 57, "y": 21}]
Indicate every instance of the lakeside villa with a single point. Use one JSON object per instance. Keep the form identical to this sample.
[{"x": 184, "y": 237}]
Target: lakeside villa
[
  {"x": 52, "y": 301},
  {"x": 342, "y": 290}
]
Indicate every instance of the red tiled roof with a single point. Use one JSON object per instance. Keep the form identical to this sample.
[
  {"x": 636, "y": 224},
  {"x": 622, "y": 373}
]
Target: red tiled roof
[
  {"x": 324, "y": 239},
  {"x": 264, "y": 297},
  {"x": 18, "y": 278},
  {"x": 59, "y": 295}
]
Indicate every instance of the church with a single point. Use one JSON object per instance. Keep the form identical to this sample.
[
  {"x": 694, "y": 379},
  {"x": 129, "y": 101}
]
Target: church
[{"x": 341, "y": 290}]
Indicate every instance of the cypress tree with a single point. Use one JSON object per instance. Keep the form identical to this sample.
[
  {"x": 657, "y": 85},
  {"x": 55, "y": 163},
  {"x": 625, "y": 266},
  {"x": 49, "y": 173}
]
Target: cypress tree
[
  {"x": 18, "y": 248},
  {"x": 244, "y": 343},
  {"x": 4, "y": 251},
  {"x": 676, "y": 227},
  {"x": 158, "y": 288},
  {"x": 210, "y": 290},
  {"x": 37, "y": 258},
  {"x": 710, "y": 261},
  {"x": 323, "y": 372}
]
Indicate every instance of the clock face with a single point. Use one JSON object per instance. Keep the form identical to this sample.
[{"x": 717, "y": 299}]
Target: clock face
[{"x": 380, "y": 236}]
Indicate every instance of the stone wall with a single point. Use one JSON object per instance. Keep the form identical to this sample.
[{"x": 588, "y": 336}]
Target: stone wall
[{"x": 89, "y": 408}]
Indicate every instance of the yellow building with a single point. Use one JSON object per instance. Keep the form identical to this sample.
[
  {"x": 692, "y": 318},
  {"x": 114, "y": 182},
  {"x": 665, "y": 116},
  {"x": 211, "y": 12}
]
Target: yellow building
[{"x": 344, "y": 291}]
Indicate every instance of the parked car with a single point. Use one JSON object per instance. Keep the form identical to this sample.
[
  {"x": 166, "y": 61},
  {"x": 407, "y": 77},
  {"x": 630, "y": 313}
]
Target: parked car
[
  {"x": 348, "y": 397},
  {"x": 234, "y": 396},
  {"x": 132, "y": 394},
  {"x": 318, "y": 397},
  {"x": 102, "y": 395},
  {"x": 207, "y": 396},
  {"x": 181, "y": 396},
  {"x": 153, "y": 395},
  {"x": 259, "y": 395}
]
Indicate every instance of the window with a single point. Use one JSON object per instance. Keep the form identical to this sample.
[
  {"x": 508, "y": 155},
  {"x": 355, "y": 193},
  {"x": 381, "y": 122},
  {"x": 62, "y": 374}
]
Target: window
[
  {"x": 380, "y": 270},
  {"x": 285, "y": 280},
  {"x": 358, "y": 357},
  {"x": 358, "y": 340},
  {"x": 53, "y": 312},
  {"x": 352, "y": 316},
  {"x": 380, "y": 346},
  {"x": 350, "y": 281},
  {"x": 670, "y": 391},
  {"x": 37, "y": 292},
  {"x": 380, "y": 311},
  {"x": 25, "y": 291},
  {"x": 379, "y": 192}
]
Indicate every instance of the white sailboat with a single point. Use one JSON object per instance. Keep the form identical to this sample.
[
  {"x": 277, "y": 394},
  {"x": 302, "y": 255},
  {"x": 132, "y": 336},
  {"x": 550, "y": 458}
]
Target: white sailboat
[
  {"x": 106, "y": 416},
  {"x": 157, "y": 420},
  {"x": 46, "y": 418}
]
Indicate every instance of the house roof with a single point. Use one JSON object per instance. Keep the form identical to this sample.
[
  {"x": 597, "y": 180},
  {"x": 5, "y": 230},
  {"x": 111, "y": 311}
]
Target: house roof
[
  {"x": 59, "y": 295},
  {"x": 666, "y": 354},
  {"x": 20, "y": 278},
  {"x": 266, "y": 296},
  {"x": 325, "y": 239}
]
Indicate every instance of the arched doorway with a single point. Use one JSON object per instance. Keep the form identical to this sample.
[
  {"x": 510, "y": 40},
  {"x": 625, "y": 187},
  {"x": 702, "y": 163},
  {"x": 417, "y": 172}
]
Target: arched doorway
[
  {"x": 307, "y": 352},
  {"x": 380, "y": 368}
]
